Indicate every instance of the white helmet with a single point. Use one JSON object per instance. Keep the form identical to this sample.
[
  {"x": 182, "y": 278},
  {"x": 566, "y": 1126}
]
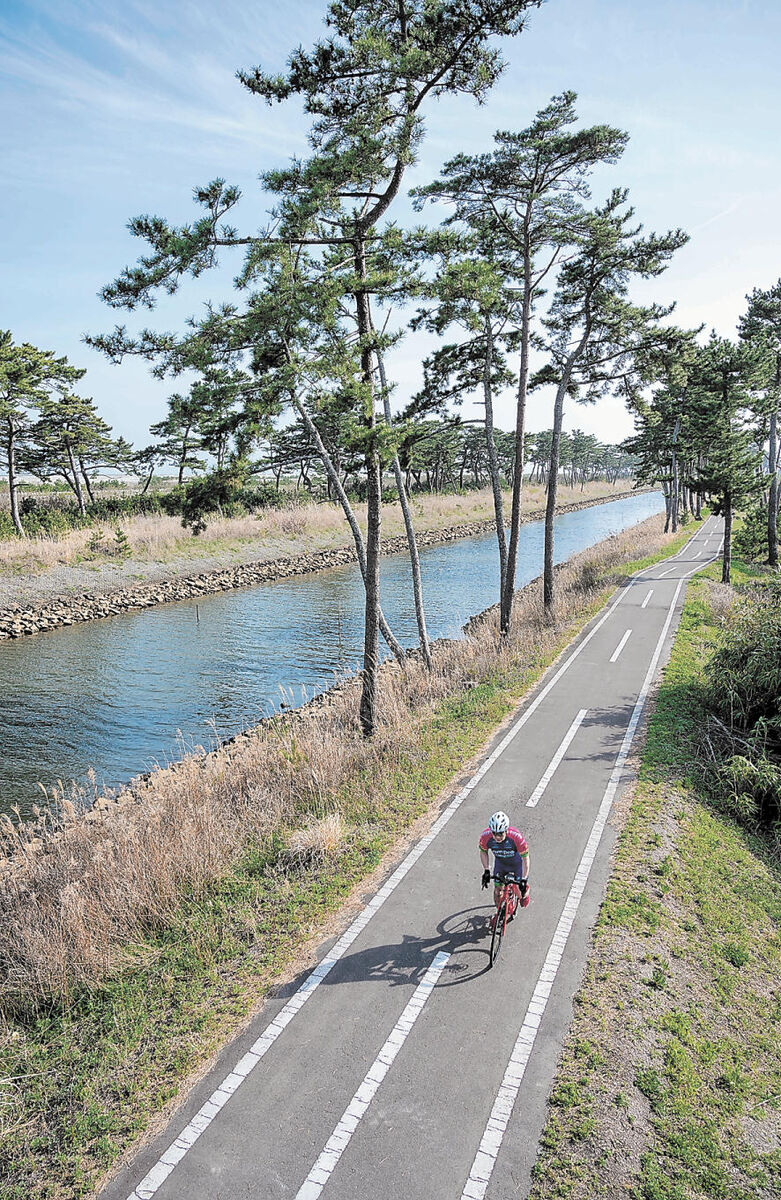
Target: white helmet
[{"x": 499, "y": 823}]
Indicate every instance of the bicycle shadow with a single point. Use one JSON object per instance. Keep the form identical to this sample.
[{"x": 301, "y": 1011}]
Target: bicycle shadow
[{"x": 463, "y": 935}]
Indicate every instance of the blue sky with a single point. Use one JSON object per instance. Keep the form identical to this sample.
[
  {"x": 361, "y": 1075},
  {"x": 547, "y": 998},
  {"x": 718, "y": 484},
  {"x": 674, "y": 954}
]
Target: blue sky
[{"x": 114, "y": 109}]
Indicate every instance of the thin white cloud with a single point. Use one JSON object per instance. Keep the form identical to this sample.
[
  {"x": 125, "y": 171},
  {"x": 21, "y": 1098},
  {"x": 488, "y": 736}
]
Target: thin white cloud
[
  {"x": 719, "y": 216},
  {"x": 154, "y": 82}
]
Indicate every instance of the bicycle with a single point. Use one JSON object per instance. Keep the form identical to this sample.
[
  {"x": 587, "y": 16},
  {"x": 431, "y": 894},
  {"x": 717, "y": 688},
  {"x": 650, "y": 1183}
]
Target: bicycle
[{"x": 510, "y": 898}]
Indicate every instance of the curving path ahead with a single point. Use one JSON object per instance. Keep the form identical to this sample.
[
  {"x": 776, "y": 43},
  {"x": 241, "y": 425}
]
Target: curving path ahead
[{"x": 401, "y": 1066}]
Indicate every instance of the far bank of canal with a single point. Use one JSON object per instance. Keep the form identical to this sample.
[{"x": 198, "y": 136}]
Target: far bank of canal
[{"x": 124, "y": 693}]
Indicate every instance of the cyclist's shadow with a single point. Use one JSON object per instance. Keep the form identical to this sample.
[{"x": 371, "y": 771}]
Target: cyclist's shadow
[{"x": 463, "y": 935}]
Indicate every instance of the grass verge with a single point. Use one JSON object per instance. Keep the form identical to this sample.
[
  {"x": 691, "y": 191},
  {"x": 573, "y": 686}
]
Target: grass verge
[
  {"x": 145, "y": 934},
  {"x": 669, "y": 1087},
  {"x": 270, "y": 533}
]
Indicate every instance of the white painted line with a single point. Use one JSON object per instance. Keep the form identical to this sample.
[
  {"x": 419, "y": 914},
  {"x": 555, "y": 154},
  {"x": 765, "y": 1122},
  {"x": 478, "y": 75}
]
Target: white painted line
[
  {"x": 536, "y": 795},
  {"x": 485, "y": 1160},
  {"x": 151, "y": 1182},
  {"x": 648, "y": 597},
  {"x": 647, "y": 578},
  {"x": 620, "y": 646},
  {"x": 669, "y": 572},
  {"x": 337, "y": 1143},
  {"x": 691, "y": 540}
]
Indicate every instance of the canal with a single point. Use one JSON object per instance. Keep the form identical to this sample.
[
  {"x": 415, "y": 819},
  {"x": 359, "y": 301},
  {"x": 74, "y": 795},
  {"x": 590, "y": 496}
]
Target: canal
[{"x": 123, "y": 694}]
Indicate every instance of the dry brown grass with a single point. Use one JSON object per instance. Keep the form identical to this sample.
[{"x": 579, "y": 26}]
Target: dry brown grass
[
  {"x": 320, "y": 839},
  {"x": 270, "y": 533},
  {"x": 76, "y": 899}
]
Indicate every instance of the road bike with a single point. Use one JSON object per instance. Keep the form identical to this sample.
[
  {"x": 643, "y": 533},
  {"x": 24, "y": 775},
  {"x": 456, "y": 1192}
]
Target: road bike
[{"x": 509, "y": 899}]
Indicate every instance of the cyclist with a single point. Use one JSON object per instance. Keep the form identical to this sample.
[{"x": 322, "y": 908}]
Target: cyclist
[{"x": 511, "y": 857}]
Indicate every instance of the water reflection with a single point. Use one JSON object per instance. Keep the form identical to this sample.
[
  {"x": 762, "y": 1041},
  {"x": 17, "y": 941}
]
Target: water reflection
[{"x": 114, "y": 694}]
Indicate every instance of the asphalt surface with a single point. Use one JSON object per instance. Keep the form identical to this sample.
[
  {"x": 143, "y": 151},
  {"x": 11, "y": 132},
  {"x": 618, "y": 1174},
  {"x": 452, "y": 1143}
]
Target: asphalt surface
[{"x": 403, "y": 1065}]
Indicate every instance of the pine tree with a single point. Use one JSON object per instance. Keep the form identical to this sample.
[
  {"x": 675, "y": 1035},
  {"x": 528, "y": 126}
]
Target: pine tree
[
  {"x": 596, "y": 339},
  {"x": 365, "y": 86},
  {"x": 27, "y": 375},
  {"x": 68, "y": 436},
  {"x": 528, "y": 192},
  {"x": 761, "y": 324},
  {"x": 470, "y": 293},
  {"x": 178, "y": 436},
  {"x": 722, "y": 385}
]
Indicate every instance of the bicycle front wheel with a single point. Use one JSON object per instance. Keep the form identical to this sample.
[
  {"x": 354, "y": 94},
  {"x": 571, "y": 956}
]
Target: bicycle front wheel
[{"x": 497, "y": 934}]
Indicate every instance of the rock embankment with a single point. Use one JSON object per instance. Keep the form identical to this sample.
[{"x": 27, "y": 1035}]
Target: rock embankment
[{"x": 21, "y": 620}]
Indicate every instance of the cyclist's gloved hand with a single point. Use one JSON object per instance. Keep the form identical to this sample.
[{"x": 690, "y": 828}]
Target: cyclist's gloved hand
[
  {"x": 524, "y": 886},
  {"x": 486, "y": 878}
]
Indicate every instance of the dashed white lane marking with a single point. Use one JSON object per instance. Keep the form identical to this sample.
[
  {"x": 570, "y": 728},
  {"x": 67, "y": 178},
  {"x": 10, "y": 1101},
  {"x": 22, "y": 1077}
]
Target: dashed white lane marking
[
  {"x": 675, "y": 568},
  {"x": 536, "y": 795},
  {"x": 692, "y": 539},
  {"x": 476, "y": 1185},
  {"x": 152, "y": 1181},
  {"x": 337, "y": 1143},
  {"x": 648, "y": 597},
  {"x": 683, "y": 549},
  {"x": 620, "y": 646}
]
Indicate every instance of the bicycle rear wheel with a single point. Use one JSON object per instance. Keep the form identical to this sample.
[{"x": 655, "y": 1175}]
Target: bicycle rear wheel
[{"x": 497, "y": 933}]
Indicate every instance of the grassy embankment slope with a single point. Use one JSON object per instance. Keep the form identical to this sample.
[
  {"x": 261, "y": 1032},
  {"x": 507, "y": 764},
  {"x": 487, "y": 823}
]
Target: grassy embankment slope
[
  {"x": 669, "y": 1087},
  {"x": 269, "y": 533},
  {"x": 156, "y": 930}
]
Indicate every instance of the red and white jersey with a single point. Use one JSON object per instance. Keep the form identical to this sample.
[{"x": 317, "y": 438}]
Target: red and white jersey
[{"x": 508, "y": 852}]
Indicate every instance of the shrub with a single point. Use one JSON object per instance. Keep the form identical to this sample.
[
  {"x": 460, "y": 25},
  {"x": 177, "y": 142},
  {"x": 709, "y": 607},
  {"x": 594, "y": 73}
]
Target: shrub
[
  {"x": 49, "y": 522},
  {"x": 743, "y": 691},
  {"x": 126, "y": 506},
  {"x": 750, "y": 541},
  {"x": 6, "y": 525},
  {"x": 97, "y": 542},
  {"x": 744, "y": 675},
  {"x": 120, "y": 547},
  {"x": 221, "y": 492},
  {"x": 750, "y": 790}
]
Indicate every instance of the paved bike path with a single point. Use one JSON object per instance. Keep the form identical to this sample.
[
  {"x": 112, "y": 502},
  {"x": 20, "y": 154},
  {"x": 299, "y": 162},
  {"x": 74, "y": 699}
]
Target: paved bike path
[{"x": 380, "y": 1081}]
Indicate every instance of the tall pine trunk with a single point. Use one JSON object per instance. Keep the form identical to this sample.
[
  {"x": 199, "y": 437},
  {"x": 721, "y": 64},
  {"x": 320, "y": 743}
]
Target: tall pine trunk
[
  {"x": 674, "y": 486},
  {"x": 550, "y": 505},
  {"x": 417, "y": 589},
  {"x": 86, "y": 479},
  {"x": 360, "y": 550},
  {"x": 75, "y": 477},
  {"x": 684, "y": 501},
  {"x": 368, "y": 705},
  {"x": 772, "y": 508},
  {"x": 183, "y": 455},
  {"x": 726, "y": 561},
  {"x": 493, "y": 459},
  {"x": 508, "y": 591},
  {"x": 13, "y": 486}
]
